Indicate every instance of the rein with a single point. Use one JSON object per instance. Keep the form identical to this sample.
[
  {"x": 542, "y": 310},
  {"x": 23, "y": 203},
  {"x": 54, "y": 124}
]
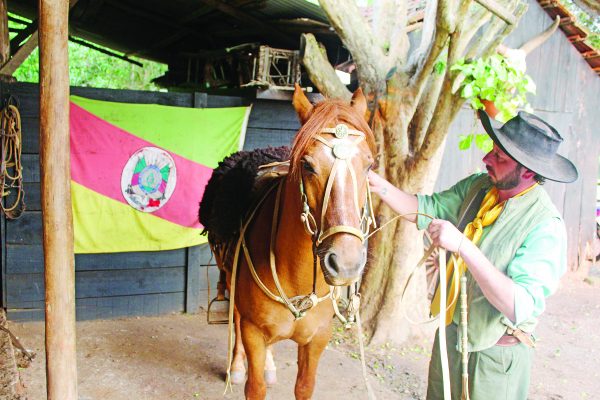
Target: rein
[{"x": 342, "y": 150}]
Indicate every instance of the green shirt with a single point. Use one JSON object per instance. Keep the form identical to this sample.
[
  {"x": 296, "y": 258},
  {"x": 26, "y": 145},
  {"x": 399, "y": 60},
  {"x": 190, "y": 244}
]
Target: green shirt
[{"x": 540, "y": 258}]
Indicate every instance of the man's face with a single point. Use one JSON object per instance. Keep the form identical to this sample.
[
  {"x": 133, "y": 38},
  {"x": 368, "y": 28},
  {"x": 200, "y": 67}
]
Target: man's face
[{"x": 504, "y": 172}]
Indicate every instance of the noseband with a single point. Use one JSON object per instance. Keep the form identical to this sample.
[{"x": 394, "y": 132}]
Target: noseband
[{"x": 342, "y": 149}]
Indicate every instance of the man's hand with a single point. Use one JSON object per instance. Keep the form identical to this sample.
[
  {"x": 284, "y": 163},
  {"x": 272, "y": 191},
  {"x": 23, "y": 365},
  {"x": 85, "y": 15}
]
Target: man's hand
[
  {"x": 377, "y": 184},
  {"x": 445, "y": 235}
]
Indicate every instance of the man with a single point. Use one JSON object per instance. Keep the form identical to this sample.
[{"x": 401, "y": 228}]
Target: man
[{"x": 513, "y": 250}]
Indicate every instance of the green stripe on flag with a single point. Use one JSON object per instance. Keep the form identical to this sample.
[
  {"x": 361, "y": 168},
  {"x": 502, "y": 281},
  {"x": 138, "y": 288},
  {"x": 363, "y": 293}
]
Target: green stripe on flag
[{"x": 218, "y": 129}]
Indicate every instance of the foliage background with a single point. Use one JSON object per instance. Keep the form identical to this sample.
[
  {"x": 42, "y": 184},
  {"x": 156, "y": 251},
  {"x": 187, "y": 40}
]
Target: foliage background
[{"x": 88, "y": 67}]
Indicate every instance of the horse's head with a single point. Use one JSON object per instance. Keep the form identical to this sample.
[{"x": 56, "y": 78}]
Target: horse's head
[{"x": 331, "y": 156}]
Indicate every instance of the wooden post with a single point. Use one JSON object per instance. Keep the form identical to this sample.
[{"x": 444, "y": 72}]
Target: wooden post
[
  {"x": 4, "y": 38},
  {"x": 61, "y": 367}
]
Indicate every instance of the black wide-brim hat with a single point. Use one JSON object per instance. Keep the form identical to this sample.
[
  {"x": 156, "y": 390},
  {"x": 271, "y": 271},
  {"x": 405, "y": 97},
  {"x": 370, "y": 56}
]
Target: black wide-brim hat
[{"x": 533, "y": 143}]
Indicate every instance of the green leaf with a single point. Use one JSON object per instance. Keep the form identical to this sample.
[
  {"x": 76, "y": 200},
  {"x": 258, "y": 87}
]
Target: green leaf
[
  {"x": 467, "y": 91},
  {"x": 439, "y": 67},
  {"x": 464, "y": 142},
  {"x": 484, "y": 142}
]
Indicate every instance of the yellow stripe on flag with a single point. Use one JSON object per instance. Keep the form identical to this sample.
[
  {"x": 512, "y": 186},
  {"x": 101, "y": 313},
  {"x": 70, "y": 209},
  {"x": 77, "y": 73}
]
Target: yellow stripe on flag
[{"x": 94, "y": 213}]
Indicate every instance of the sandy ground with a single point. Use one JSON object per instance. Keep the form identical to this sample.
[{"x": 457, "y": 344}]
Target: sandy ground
[{"x": 181, "y": 357}]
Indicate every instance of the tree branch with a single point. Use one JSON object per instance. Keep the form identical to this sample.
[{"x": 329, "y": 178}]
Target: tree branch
[
  {"x": 449, "y": 103},
  {"x": 429, "y": 19},
  {"x": 445, "y": 25},
  {"x": 389, "y": 25},
  {"x": 356, "y": 35},
  {"x": 320, "y": 71},
  {"x": 520, "y": 9},
  {"x": 424, "y": 111}
]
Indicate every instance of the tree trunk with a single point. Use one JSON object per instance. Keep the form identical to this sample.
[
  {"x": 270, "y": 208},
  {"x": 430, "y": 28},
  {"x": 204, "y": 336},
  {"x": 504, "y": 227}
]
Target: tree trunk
[{"x": 394, "y": 253}]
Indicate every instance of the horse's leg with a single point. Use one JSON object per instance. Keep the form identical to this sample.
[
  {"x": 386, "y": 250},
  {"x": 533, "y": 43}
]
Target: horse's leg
[
  {"x": 256, "y": 349},
  {"x": 238, "y": 370},
  {"x": 270, "y": 368},
  {"x": 308, "y": 360}
]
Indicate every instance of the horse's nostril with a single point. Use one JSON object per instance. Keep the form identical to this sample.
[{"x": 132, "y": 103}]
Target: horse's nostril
[{"x": 331, "y": 263}]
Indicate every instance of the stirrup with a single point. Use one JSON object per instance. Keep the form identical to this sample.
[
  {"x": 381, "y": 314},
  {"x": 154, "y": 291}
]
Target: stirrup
[{"x": 220, "y": 297}]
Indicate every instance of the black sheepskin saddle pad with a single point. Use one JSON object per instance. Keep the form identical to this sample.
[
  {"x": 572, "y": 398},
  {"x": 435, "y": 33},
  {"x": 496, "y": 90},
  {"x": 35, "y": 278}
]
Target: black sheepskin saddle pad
[{"x": 230, "y": 192}]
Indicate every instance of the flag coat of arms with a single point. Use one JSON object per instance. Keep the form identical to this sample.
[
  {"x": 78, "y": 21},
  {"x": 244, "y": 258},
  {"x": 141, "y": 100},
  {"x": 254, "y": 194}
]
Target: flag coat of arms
[{"x": 138, "y": 171}]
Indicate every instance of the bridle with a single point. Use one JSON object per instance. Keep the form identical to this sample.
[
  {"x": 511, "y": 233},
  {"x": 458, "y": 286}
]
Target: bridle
[{"x": 342, "y": 150}]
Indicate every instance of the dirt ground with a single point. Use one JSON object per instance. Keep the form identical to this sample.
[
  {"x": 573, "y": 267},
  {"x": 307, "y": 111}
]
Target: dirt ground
[{"x": 181, "y": 357}]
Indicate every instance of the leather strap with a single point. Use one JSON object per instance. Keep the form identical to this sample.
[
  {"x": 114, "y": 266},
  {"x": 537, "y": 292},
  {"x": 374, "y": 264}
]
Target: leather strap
[{"x": 519, "y": 336}]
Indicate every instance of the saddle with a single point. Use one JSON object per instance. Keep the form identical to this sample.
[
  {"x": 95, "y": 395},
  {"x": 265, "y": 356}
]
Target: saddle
[{"x": 267, "y": 177}]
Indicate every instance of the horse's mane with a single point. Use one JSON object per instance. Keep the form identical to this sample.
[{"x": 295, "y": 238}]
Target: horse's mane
[
  {"x": 229, "y": 192},
  {"x": 328, "y": 112}
]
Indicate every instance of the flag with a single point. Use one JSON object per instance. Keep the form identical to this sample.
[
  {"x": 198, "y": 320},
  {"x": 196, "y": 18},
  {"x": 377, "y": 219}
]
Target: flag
[{"x": 138, "y": 171}]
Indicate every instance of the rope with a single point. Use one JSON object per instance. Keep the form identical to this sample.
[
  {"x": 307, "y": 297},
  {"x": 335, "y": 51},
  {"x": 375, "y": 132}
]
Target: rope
[
  {"x": 361, "y": 345},
  {"x": 442, "y": 321},
  {"x": 442, "y": 328},
  {"x": 10, "y": 132},
  {"x": 464, "y": 338}
]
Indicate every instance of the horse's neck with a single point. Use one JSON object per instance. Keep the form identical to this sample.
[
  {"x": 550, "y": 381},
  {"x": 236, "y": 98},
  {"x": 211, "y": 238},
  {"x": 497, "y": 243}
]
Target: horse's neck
[{"x": 293, "y": 249}]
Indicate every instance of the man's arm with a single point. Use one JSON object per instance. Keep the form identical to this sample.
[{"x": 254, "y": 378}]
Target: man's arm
[
  {"x": 398, "y": 200},
  {"x": 531, "y": 276},
  {"x": 498, "y": 288}
]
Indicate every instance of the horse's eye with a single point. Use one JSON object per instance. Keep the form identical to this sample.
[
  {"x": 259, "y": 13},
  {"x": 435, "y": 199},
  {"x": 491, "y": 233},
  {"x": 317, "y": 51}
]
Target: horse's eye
[{"x": 308, "y": 167}]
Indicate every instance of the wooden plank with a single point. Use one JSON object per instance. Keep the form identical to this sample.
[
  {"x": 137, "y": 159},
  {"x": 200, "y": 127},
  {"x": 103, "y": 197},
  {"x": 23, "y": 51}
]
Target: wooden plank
[
  {"x": 108, "y": 307},
  {"x": 135, "y": 96},
  {"x": 110, "y": 283},
  {"x": 274, "y": 115},
  {"x": 28, "y": 258},
  {"x": 32, "y": 196},
  {"x": 21, "y": 55},
  {"x": 192, "y": 277},
  {"x": 258, "y": 138},
  {"x": 247, "y": 19},
  {"x": 200, "y": 100},
  {"x": 31, "y": 167},
  {"x": 3, "y": 237},
  {"x": 206, "y": 256},
  {"x": 25, "y": 230},
  {"x": 226, "y": 101}
]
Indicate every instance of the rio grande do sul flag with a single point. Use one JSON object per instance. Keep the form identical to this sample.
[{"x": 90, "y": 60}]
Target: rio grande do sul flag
[{"x": 138, "y": 171}]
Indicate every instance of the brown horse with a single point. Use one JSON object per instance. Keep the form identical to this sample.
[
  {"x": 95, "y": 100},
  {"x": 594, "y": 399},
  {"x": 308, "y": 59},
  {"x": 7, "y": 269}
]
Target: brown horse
[{"x": 317, "y": 214}]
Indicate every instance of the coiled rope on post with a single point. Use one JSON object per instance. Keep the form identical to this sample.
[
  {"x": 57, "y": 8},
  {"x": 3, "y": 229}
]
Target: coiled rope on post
[{"x": 11, "y": 170}]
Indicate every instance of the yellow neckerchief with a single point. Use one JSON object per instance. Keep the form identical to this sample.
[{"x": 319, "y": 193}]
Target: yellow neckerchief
[{"x": 488, "y": 212}]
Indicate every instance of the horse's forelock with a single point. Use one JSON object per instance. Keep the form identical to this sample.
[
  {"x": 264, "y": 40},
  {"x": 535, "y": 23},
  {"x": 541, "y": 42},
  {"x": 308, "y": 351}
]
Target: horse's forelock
[{"x": 324, "y": 113}]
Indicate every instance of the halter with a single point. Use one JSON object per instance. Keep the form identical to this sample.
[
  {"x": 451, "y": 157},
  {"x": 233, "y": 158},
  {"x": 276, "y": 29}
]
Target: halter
[
  {"x": 342, "y": 150},
  {"x": 301, "y": 304}
]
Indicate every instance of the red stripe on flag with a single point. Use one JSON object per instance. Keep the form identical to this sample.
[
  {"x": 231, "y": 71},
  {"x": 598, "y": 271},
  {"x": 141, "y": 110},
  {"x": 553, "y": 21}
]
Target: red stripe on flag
[{"x": 100, "y": 150}]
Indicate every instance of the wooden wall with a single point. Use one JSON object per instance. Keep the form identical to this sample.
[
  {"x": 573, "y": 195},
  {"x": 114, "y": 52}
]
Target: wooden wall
[
  {"x": 568, "y": 97},
  {"x": 125, "y": 284},
  {"x": 118, "y": 284}
]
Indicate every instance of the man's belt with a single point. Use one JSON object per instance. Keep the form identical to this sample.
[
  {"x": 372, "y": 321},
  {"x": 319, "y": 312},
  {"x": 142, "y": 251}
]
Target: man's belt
[{"x": 514, "y": 336}]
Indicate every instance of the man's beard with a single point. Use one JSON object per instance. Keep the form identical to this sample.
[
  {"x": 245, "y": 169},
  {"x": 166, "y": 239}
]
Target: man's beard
[{"x": 511, "y": 180}]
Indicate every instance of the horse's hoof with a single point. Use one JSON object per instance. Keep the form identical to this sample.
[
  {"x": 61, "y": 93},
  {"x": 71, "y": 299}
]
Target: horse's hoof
[
  {"x": 238, "y": 377},
  {"x": 270, "y": 377}
]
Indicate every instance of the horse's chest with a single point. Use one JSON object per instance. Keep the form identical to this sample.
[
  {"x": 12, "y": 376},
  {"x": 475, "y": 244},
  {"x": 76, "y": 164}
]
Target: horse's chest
[{"x": 301, "y": 331}]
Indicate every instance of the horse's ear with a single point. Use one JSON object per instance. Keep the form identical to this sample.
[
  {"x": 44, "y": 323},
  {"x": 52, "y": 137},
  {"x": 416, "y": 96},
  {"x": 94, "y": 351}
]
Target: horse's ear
[
  {"x": 359, "y": 102},
  {"x": 301, "y": 103}
]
